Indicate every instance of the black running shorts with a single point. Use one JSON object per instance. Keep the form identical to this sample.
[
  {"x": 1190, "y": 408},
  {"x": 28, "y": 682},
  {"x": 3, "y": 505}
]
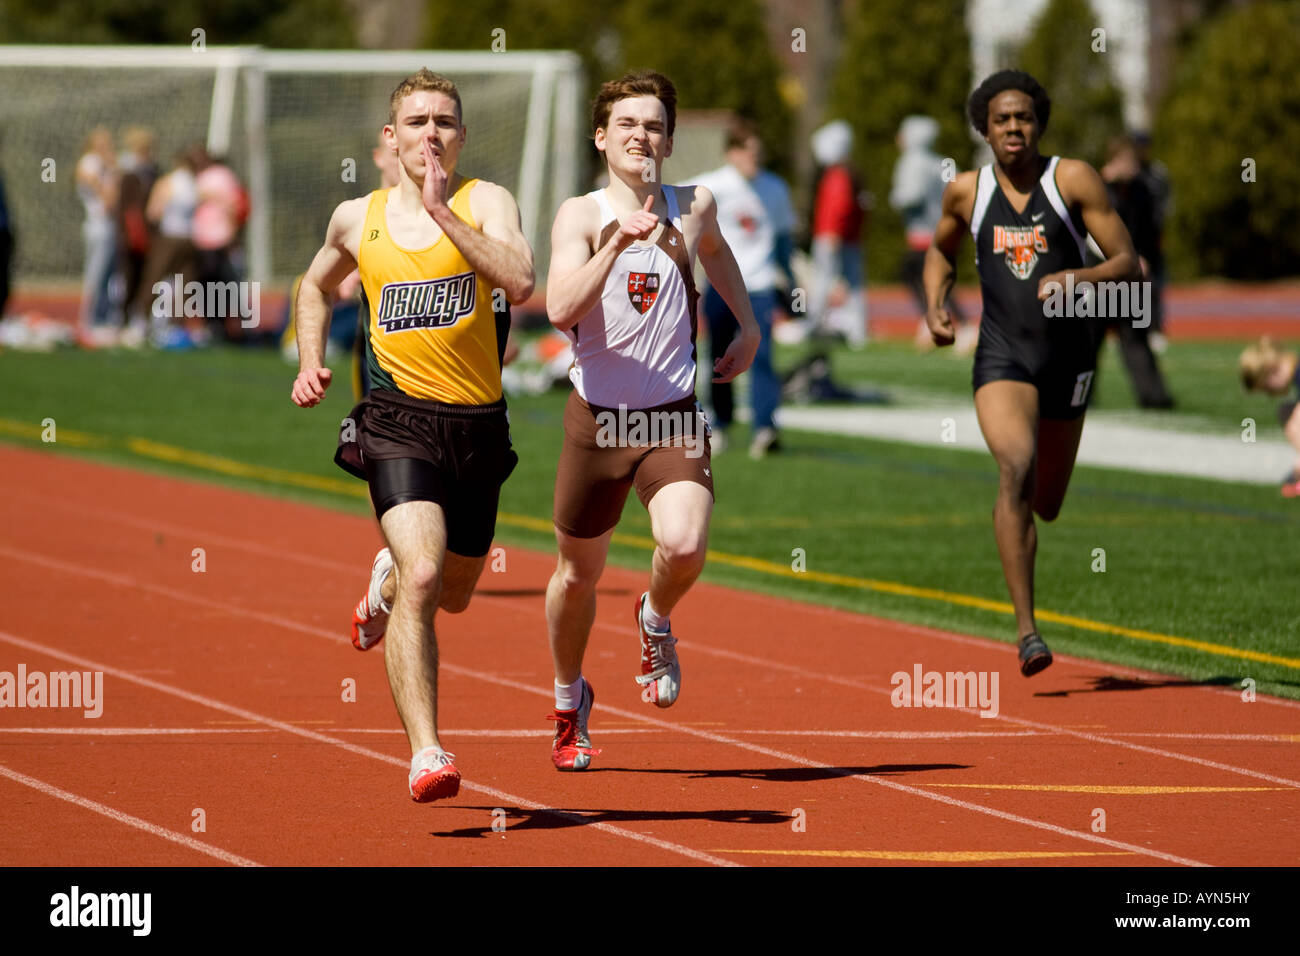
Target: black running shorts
[
  {"x": 1060, "y": 364},
  {"x": 410, "y": 449}
]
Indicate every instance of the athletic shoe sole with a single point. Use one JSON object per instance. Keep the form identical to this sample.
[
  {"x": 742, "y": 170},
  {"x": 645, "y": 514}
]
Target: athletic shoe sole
[
  {"x": 435, "y": 783},
  {"x": 1034, "y": 655}
]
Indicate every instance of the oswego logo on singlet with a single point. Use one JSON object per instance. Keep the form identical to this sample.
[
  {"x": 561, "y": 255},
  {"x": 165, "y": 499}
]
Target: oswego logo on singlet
[
  {"x": 1022, "y": 245},
  {"x": 432, "y": 304},
  {"x": 642, "y": 290}
]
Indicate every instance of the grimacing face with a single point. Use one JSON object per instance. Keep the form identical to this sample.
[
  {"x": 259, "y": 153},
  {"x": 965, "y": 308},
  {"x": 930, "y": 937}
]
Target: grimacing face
[
  {"x": 431, "y": 116},
  {"x": 636, "y": 133},
  {"x": 1012, "y": 127}
]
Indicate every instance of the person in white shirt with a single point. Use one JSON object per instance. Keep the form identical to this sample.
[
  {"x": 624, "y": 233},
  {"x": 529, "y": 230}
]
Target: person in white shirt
[
  {"x": 757, "y": 219},
  {"x": 97, "y": 188}
]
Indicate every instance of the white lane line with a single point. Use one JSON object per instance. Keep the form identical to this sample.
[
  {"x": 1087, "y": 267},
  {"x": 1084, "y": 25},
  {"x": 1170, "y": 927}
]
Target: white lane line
[
  {"x": 498, "y": 795},
  {"x": 1020, "y": 721},
  {"x": 152, "y": 828},
  {"x": 937, "y": 735},
  {"x": 328, "y": 635},
  {"x": 853, "y": 617},
  {"x": 881, "y": 781}
]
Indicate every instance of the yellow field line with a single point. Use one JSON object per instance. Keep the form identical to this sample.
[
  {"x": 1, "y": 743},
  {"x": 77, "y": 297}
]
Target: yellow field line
[
  {"x": 932, "y": 856},
  {"x": 1118, "y": 790},
  {"x": 146, "y": 448}
]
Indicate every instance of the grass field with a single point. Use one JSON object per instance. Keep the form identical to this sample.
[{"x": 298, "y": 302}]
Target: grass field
[{"x": 1198, "y": 578}]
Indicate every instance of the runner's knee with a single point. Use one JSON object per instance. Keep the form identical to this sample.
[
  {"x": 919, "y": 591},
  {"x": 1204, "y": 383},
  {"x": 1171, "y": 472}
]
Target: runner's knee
[
  {"x": 578, "y": 578},
  {"x": 1016, "y": 477},
  {"x": 683, "y": 547},
  {"x": 420, "y": 579}
]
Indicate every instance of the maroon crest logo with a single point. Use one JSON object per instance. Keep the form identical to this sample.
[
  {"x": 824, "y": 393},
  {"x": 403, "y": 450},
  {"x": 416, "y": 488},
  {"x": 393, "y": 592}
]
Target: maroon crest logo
[{"x": 642, "y": 290}]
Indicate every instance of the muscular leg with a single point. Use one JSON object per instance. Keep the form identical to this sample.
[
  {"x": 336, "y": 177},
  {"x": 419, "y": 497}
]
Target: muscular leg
[
  {"x": 571, "y": 600},
  {"x": 417, "y": 536},
  {"x": 679, "y": 521},
  {"x": 1008, "y": 417},
  {"x": 459, "y": 578},
  {"x": 1058, "y": 443}
]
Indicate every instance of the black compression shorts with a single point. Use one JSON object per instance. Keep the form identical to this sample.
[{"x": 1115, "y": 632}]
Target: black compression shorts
[{"x": 457, "y": 456}]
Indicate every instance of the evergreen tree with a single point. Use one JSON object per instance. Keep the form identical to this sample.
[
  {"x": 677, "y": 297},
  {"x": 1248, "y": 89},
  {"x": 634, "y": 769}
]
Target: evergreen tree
[
  {"x": 1229, "y": 133},
  {"x": 901, "y": 57}
]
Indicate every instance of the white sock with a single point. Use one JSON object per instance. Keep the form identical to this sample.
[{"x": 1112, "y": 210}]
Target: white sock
[
  {"x": 651, "y": 619},
  {"x": 568, "y": 696}
]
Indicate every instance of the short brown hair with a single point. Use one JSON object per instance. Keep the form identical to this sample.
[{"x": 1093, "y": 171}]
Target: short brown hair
[
  {"x": 425, "y": 81},
  {"x": 740, "y": 131},
  {"x": 640, "y": 83}
]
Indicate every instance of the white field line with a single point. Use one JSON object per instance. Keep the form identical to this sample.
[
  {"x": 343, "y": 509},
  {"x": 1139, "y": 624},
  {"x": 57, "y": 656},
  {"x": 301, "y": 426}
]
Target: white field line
[
  {"x": 499, "y": 795},
  {"x": 152, "y": 828}
]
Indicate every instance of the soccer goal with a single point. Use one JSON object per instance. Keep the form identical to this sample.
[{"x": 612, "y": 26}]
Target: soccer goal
[{"x": 298, "y": 127}]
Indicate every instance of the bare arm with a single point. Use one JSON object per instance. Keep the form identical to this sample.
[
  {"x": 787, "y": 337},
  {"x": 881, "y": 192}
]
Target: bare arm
[
  {"x": 724, "y": 275},
  {"x": 1080, "y": 183},
  {"x": 508, "y": 259},
  {"x": 158, "y": 197},
  {"x": 332, "y": 264},
  {"x": 577, "y": 276},
  {"x": 500, "y": 254},
  {"x": 941, "y": 258}
]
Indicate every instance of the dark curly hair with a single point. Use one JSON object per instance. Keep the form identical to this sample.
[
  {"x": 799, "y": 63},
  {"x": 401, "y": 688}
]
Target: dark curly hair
[{"x": 978, "y": 105}]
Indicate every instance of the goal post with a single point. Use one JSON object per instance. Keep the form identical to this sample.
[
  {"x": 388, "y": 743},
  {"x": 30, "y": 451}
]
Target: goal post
[{"x": 298, "y": 127}]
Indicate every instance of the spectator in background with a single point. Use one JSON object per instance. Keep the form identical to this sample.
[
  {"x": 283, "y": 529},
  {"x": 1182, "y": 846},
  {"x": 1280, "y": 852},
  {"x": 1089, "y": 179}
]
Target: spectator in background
[
  {"x": 839, "y": 221},
  {"x": 97, "y": 188},
  {"x": 1275, "y": 371},
  {"x": 1136, "y": 206},
  {"x": 6, "y": 246},
  {"x": 171, "y": 206},
  {"x": 917, "y": 194},
  {"x": 218, "y": 220},
  {"x": 139, "y": 172},
  {"x": 1156, "y": 178},
  {"x": 757, "y": 220}
]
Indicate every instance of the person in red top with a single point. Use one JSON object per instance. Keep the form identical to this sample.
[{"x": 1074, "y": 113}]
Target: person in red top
[{"x": 839, "y": 218}]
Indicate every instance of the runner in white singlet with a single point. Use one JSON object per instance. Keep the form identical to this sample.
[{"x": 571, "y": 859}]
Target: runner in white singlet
[{"x": 621, "y": 286}]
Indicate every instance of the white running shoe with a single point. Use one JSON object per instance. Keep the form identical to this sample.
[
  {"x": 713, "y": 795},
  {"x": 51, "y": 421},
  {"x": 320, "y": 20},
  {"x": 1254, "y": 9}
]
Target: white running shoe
[
  {"x": 370, "y": 619},
  {"x": 661, "y": 675}
]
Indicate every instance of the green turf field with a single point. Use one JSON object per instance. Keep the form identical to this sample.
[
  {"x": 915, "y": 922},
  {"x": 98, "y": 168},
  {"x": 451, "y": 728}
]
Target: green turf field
[{"x": 1188, "y": 559}]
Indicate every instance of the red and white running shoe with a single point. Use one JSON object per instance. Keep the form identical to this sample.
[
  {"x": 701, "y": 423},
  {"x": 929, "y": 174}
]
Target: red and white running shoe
[
  {"x": 661, "y": 675},
  {"x": 370, "y": 619},
  {"x": 572, "y": 748},
  {"x": 433, "y": 775}
]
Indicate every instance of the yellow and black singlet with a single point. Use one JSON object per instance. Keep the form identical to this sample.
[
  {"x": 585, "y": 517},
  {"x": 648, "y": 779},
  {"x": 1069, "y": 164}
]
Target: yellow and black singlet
[{"x": 432, "y": 331}]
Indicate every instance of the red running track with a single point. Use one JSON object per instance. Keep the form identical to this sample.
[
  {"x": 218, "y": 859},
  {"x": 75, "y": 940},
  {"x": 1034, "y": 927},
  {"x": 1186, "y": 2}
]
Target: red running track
[{"x": 225, "y": 736}]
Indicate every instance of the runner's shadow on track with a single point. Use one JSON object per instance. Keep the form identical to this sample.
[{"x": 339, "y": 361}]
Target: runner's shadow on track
[
  {"x": 797, "y": 774},
  {"x": 1109, "y": 682},
  {"x": 557, "y": 819}
]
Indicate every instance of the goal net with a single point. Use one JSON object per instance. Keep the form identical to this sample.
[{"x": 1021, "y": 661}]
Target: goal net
[{"x": 297, "y": 127}]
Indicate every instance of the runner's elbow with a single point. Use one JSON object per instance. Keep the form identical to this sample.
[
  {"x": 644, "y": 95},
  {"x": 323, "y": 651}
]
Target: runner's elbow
[{"x": 521, "y": 289}]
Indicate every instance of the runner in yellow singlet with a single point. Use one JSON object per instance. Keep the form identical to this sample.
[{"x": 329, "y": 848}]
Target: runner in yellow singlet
[{"x": 431, "y": 438}]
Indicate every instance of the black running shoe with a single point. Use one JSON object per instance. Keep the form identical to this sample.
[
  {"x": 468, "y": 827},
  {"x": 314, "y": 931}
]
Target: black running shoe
[{"x": 1034, "y": 654}]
